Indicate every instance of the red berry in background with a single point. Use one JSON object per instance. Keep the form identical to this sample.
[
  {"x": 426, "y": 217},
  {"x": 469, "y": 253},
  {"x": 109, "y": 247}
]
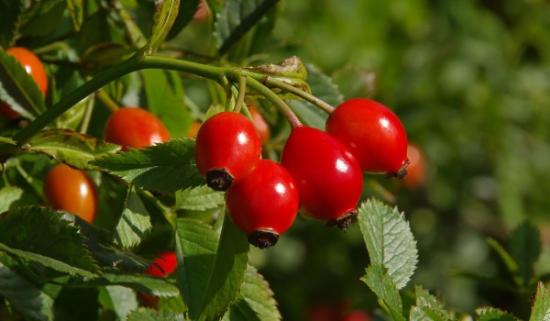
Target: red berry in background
[
  {"x": 71, "y": 190},
  {"x": 34, "y": 67},
  {"x": 227, "y": 148},
  {"x": 264, "y": 203},
  {"x": 416, "y": 171},
  {"x": 324, "y": 312},
  {"x": 135, "y": 128},
  {"x": 373, "y": 133},
  {"x": 357, "y": 315},
  {"x": 260, "y": 124},
  {"x": 329, "y": 179},
  {"x": 162, "y": 266}
]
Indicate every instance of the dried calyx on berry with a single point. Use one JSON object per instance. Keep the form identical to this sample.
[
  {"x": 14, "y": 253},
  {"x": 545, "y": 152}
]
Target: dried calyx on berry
[
  {"x": 264, "y": 203},
  {"x": 227, "y": 148}
]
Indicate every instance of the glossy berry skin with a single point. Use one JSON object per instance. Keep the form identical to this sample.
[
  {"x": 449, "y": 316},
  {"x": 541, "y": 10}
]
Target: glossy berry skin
[
  {"x": 227, "y": 148},
  {"x": 264, "y": 203},
  {"x": 260, "y": 124},
  {"x": 71, "y": 190},
  {"x": 135, "y": 128},
  {"x": 416, "y": 171},
  {"x": 329, "y": 180},
  {"x": 34, "y": 67},
  {"x": 162, "y": 266},
  {"x": 373, "y": 133}
]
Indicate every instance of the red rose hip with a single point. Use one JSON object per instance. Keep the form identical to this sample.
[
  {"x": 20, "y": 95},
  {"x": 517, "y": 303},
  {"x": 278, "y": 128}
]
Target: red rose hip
[
  {"x": 71, "y": 190},
  {"x": 162, "y": 266},
  {"x": 135, "y": 128},
  {"x": 34, "y": 67},
  {"x": 416, "y": 170},
  {"x": 329, "y": 180},
  {"x": 264, "y": 203},
  {"x": 227, "y": 148},
  {"x": 373, "y": 133}
]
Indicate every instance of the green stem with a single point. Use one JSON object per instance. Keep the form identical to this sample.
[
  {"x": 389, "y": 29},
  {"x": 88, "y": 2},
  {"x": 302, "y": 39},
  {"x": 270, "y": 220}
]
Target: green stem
[
  {"x": 75, "y": 96},
  {"x": 87, "y": 115},
  {"x": 276, "y": 100},
  {"x": 138, "y": 62},
  {"x": 206, "y": 71},
  {"x": 107, "y": 101},
  {"x": 132, "y": 29},
  {"x": 271, "y": 82},
  {"x": 242, "y": 92}
]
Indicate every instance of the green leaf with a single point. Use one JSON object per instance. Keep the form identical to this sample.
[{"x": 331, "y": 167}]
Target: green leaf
[
  {"x": 44, "y": 232},
  {"x": 43, "y": 18},
  {"x": 76, "y": 11},
  {"x": 8, "y": 195},
  {"x": 134, "y": 222},
  {"x": 209, "y": 297},
  {"x": 428, "y": 308},
  {"x": 186, "y": 12},
  {"x": 70, "y": 147},
  {"x": 236, "y": 18},
  {"x": 494, "y": 314},
  {"x": 165, "y": 16},
  {"x": 227, "y": 274},
  {"x": 199, "y": 198},
  {"x": 10, "y": 13},
  {"x": 150, "y": 285},
  {"x": 143, "y": 314},
  {"x": 24, "y": 297},
  {"x": 47, "y": 262},
  {"x": 122, "y": 300},
  {"x": 166, "y": 99},
  {"x": 383, "y": 286},
  {"x": 509, "y": 262},
  {"x": 524, "y": 246},
  {"x": 255, "y": 301},
  {"x": 165, "y": 167},
  {"x": 322, "y": 87},
  {"x": 196, "y": 242},
  {"x": 389, "y": 240},
  {"x": 18, "y": 89},
  {"x": 541, "y": 307}
]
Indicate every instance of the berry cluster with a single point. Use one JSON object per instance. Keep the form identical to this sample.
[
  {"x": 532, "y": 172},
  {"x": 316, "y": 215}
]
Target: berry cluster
[{"x": 320, "y": 172}]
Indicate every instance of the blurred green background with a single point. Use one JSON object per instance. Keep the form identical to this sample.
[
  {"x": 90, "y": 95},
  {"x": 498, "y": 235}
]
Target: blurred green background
[{"x": 471, "y": 82}]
